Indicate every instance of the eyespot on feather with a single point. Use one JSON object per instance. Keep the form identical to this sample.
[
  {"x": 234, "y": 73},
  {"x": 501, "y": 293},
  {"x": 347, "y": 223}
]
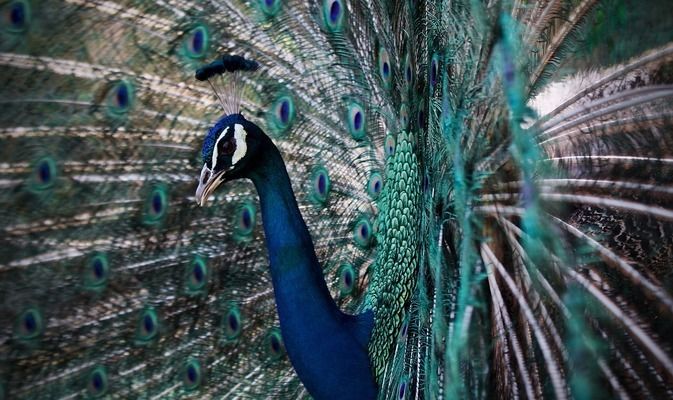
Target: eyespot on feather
[
  {"x": 362, "y": 232},
  {"x": 245, "y": 220},
  {"x": 196, "y": 276},
  {"x": 321, "y": 185},
  {"x": 403, "y": 388},
  {"x": 96, "y": 272},
  {"x": 97, "y": 382},
  {"x": 385, "y": 68},
  {"x": 231, "y": 323},
  {"x": 408, "y": 71},
  {"x": 433, "y": 72},
  {"x": 29, "y": 324},
  {"x": 389, "y": 145},
  {"x": 44, "y": 174},
  {"x": 375, "y": 185},
  {"x": 120, "y": 98},
  {"x": 192, "y": 375},
  {"x": 156, "y": 205},
  {"x": 347, "y": 278},
  {"x": 16, "y": 16},
  {"x": 281, "y": 115},
  {"x": 197, "y": 42},
  {"x": 270, "y": 7},
  {"x": 404, "y": 116},
  {"x": 333, "y": 14},
  {"x": 147, "y": 326},
  {"x": 274, "y": 344},
  {"x": 356, "y": 120}
]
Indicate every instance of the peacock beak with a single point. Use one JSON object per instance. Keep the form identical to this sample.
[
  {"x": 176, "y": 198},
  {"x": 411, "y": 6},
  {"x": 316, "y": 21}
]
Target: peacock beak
[{"x": 208, "y": 182}]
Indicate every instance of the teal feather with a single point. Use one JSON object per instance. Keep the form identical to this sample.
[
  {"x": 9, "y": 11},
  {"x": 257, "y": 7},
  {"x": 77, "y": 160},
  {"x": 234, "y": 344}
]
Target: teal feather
[{"x": 491, "y": 181}]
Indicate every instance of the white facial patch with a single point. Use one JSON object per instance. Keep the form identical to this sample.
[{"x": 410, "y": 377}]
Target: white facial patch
[
  {"x": 241, "y": 145},
  {"x": 217, "y": 142}
]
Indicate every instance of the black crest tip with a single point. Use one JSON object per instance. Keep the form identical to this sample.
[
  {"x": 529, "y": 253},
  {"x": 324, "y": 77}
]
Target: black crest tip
[{"x": 228, "y": 63}]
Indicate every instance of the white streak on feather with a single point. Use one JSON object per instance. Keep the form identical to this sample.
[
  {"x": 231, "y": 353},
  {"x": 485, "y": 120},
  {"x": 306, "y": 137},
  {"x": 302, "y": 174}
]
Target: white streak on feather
[
  {"x": 152, "y": 22},
  {"x": 180, "y": 91},
  {"x": 555, "y": 374}
]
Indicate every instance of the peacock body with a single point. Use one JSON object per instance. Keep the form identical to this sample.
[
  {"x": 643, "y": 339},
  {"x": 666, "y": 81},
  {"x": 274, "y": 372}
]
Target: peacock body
[{"x": 423, "y": 199}]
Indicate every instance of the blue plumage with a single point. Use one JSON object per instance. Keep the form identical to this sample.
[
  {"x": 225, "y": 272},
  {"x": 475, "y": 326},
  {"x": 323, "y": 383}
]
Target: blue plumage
[{"x": 327, "y": 348}]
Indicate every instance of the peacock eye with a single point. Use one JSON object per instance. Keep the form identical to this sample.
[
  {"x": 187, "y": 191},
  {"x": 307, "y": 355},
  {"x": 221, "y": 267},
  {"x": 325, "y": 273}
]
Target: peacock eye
[{"x": 228, "y": 146}]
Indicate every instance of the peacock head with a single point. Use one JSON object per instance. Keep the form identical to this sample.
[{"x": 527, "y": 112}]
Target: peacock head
[{"x": 229, "y": 151}]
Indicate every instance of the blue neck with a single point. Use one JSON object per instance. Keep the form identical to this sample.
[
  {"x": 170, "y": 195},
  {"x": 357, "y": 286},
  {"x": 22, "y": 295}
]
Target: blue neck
[{"x": 326, "y": 347}]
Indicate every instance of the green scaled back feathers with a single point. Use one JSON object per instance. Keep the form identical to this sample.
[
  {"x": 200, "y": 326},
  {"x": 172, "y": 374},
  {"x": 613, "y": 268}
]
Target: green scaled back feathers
[{"x": 396, "y": 261}]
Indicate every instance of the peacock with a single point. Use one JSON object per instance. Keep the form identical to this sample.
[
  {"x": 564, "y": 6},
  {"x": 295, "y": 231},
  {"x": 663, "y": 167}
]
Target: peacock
[{"x": 336, "y": 199}]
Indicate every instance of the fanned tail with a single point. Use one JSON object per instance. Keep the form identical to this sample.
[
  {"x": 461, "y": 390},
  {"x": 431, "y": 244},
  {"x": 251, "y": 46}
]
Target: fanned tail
[{"x": 491, "y": 179}]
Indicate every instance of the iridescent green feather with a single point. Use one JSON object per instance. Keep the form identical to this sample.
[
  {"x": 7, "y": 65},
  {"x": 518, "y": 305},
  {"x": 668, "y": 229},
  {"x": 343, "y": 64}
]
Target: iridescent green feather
[{"x": 394, "y": 270}]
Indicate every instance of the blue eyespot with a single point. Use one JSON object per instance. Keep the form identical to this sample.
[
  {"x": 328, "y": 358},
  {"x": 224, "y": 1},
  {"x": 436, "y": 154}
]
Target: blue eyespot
[
  {"x": 404, "y": 116},
  {"x": 389, "y": 145},
  {"x": 334, "y": 11},
  {"x": 282, "y": 115},
  {"x": 191, "y": 374},
  {"x": 421, "y": 116},
  {"x": 196, "y": 42},
  {"x": 97, "y": 269},
  {"x": 156, "y": 205},
  {"x": 402, "y": 389},
  {"x": 320, "y": 186},
  {"x": 284, "y": 112},
  {"x": 356, "y": 121},
  {"x": 96, "y": 272},
  {"x": 434, "y": 70},
  {"x": 44, "y": 174},
  {"x": 231, "y": 324},
  {"x": 384, "y": 66},
  {"x": 245, "y": 220},
  {"x": 120, "y": 98},
  {"x": 196, "y": 276},
  {"x": 362, "y": 233},
  {"x": 17, "y": 16},
  {"x": 375, "y": 185},
  {"x": 29, "y": 324},
  {"x": 333, "y": 14},
  {"x": 408, "y": 72},
  {"x": 97, "y": 382},
  {"x": 274, "y": 341},
  {"x": 270, "y": 7},
  {"x": 148, "y": 326},
  {"x": 347, "y": 278},
  {"x": 404, "y": 330}
]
